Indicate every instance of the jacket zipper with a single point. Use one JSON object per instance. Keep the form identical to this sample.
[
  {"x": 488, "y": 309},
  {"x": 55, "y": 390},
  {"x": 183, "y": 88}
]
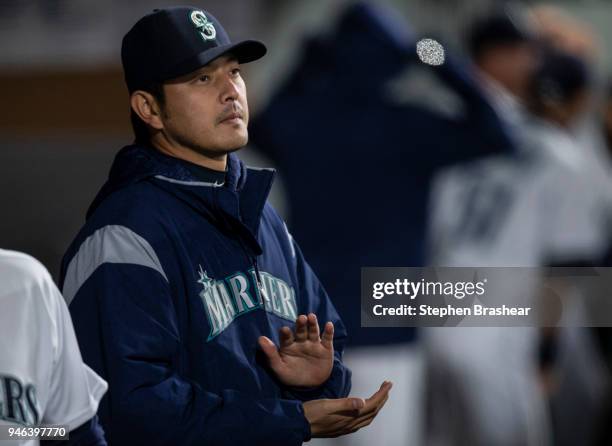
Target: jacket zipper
[
  {"x": 251, "y": 259},
  {"x": 257, "y": 275}
]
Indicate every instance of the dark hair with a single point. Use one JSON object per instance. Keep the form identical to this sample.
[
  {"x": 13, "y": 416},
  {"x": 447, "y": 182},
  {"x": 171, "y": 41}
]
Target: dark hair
[
  {"x": 142, "y": 132},
  {"x": 500, "y": 28}
]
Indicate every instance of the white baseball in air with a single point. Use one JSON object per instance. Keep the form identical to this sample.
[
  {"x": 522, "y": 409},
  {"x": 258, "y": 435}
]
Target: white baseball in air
[{"x": 430, "y": 51}]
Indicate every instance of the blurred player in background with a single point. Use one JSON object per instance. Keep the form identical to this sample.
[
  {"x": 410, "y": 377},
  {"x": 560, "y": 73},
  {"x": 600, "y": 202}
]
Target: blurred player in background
[
  {"x": 566, "y": 129},
  {"x": 531, "y": 209},
  {"x": 603, "y": 335},
  {"x": 43, "y": 380},
  {"x": 358, "y": 156},
  {"x": 482, "y": 386}
]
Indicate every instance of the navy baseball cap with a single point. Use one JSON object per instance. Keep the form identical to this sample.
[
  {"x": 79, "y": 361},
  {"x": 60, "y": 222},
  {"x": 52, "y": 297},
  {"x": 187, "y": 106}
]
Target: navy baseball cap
[
  {"x": 171, "y": 42},
  {"x": 560, "y": 76}
]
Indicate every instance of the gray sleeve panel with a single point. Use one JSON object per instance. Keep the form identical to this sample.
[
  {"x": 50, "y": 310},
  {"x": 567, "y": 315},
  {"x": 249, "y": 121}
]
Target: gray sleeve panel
[{"x": 109, "y": 244}]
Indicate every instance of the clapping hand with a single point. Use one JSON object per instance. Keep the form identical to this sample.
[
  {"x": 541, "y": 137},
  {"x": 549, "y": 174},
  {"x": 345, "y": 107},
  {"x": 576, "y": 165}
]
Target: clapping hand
[{"x": 304, "y": 358}]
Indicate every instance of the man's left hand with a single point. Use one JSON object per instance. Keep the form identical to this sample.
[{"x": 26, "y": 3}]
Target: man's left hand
[{"x": 304, "y": 359}]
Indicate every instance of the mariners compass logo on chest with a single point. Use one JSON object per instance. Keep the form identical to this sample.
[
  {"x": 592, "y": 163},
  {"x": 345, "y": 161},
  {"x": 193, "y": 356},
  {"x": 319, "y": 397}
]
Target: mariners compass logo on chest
[{"x": 240, "y": 293}]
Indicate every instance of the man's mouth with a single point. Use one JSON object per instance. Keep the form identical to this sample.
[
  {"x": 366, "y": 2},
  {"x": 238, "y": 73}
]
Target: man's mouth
[{"x": 231, "y": 118}]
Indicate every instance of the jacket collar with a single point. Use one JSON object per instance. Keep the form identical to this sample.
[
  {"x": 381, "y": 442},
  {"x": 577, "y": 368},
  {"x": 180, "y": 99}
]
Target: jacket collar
[{"x": 241, "y": 198}]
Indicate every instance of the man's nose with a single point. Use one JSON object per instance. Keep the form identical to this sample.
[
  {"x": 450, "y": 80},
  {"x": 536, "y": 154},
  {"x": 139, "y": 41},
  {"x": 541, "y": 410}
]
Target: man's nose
[{"x": 230, "y": 90}]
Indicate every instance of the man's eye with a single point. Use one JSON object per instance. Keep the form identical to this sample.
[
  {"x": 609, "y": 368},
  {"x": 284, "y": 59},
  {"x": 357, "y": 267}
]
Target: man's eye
[
  {"x": 236, "y": 72},
  {"x": 204, "y": 78}
]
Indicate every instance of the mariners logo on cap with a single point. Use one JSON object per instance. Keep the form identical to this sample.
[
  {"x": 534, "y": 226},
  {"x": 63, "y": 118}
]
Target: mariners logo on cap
[{"x": 206, "y": 29}]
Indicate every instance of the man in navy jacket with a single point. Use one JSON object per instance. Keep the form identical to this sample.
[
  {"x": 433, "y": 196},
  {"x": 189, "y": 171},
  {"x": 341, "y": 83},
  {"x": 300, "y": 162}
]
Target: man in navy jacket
[{"x": 183, "y": 279}]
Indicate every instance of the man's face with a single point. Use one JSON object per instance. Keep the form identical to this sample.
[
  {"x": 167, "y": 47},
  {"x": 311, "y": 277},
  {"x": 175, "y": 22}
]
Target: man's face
[
  {"x": 206, "y": 110},
  {"x": 512, "y": 65}
]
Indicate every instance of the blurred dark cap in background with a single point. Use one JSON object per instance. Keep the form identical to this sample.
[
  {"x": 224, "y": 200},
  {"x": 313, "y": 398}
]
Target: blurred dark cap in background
[
  {"x": 509, "y": 26},
  {"x": 560, "y": 76}
]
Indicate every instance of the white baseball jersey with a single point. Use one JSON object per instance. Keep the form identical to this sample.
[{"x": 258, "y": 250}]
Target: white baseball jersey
[
  {"x": 530, "y": 209},
  {"x": 43, "y": 379}
]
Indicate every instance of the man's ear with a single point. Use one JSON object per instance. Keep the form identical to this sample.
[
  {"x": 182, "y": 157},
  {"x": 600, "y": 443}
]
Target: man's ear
[{"x": 147, "y": 108}]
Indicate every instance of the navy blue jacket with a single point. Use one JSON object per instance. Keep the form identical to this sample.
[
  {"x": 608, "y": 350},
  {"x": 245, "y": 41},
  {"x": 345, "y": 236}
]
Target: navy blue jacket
[{"x": 170, "y": 283}]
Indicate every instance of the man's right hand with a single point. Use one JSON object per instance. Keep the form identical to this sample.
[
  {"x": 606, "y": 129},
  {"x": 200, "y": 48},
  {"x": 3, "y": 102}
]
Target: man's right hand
[{"x": 335, "y": 417}]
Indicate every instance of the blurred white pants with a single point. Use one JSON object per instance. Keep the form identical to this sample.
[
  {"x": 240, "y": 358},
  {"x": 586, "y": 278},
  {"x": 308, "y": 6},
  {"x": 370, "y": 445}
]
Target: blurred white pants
[
  {"x": 399, "y": 423},
  {"x": 483, "y": 387}
]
